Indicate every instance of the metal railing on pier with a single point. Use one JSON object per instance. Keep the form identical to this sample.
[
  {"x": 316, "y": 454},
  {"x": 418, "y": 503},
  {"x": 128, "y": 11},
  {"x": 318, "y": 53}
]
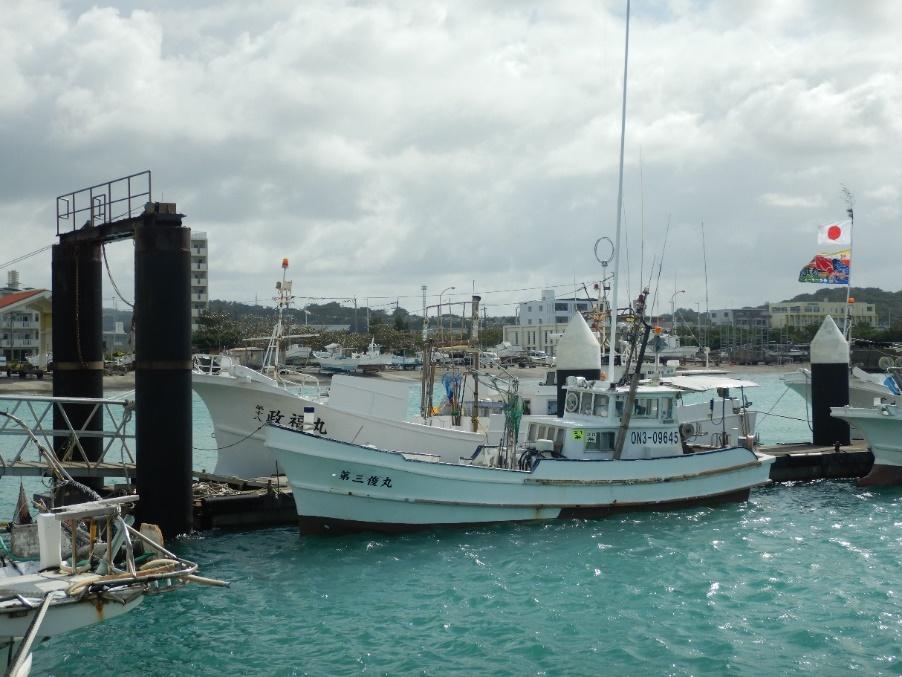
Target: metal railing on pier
[{"x": 108, "y": 419}]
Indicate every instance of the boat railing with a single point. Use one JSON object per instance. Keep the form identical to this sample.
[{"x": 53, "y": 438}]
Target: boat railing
[{"x": 28, "y": 418}]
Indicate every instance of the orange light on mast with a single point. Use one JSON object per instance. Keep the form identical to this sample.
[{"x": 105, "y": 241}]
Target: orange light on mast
[
  {"x": 658, "y": 330},
  {"x": 284, "y": 263},
  {"x": 851, "y": 299}
]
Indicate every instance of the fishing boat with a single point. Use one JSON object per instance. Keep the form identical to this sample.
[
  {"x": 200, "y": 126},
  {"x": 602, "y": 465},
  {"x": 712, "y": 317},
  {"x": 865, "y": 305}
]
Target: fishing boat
[
  {"x": 336, "y": 358},
  {"x": 881, "y": 425},
  {"x": 615, "y": 448}
]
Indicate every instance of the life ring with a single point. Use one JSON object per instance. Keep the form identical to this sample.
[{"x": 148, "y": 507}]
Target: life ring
[{"x": 572, "y": 402}]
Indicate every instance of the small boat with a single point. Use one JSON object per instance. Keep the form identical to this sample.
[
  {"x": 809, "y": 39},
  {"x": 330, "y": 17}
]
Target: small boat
[
  {"x": 570, "y": 467},
  {"x": 336, "y": 358},
  {"x": 92, "y": 566},
  {"x": 881, "y": 426}
]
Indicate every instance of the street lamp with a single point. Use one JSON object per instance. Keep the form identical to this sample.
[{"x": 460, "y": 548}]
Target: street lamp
[
  {"x": 441, "y": 324},
  {"x": 673, "y": 310}
]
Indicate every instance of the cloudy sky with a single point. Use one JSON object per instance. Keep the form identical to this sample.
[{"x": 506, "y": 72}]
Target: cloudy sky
[{"x": 381, "y": 146}]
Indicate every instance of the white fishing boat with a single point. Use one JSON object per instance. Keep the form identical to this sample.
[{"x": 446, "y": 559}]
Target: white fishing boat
[
  {"x": 336, "y": 358},
  {"x": 570, "y": 467},
  {"x": 881, "y": 425}
]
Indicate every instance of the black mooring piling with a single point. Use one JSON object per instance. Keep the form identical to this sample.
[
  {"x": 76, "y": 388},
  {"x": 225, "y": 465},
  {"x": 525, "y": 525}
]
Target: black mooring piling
[
  {"x": 84, "y": 224},
  {"x": 163, "y": 369},
  {"x": 829, "y": 384},
  {"x": 77, "y": 345}
]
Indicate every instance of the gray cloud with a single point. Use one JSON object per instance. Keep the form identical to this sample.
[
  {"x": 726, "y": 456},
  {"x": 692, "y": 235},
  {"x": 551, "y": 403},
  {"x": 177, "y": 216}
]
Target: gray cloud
[{"x": 381, "y": 146}]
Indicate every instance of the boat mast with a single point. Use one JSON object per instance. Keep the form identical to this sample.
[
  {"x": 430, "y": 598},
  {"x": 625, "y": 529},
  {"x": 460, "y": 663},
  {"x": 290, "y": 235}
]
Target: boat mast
[
  {"x": 282, "y": 301},
  {"x": 611, "y": 342}
]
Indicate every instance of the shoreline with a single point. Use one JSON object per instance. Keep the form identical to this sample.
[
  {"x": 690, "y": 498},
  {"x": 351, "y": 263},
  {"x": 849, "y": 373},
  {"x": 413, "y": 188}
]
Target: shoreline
[{"x": 127, "y": 381}]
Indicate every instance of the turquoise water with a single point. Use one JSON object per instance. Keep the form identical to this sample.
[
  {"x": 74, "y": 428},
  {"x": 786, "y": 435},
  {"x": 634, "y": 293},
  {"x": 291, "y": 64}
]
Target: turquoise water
[{"x": 799, "y": 579}]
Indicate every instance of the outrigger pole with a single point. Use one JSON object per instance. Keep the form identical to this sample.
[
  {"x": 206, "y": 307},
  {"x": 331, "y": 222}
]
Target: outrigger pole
[{"x": 616, "y": 285}]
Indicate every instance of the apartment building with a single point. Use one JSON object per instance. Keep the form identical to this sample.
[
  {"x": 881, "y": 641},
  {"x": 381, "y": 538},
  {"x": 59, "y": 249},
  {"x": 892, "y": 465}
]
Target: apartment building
[
  {"x": 199, "y": 279},
  {"x": 798, "y": 314}
]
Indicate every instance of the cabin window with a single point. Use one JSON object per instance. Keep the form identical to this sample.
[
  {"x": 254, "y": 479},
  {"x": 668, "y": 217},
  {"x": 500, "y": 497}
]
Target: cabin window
[
  {"x": 667, "y": 409},
  {"x": 531, "y": 435},
  {"x": 600, "y": 441},
  {"x": 585, "y": 404},
  {"x": 558, "y": 439},
  {"x": 527, "y": 408},
  {"x": 645, "y": 407},
  {"x": 601, "y": 405}
]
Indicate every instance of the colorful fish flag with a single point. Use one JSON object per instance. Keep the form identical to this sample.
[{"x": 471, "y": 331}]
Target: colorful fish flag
[{"x": 832, "y": 262}]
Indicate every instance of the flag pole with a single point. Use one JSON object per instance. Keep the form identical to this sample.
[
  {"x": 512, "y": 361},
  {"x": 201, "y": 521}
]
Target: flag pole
[{"x": 847, "y": 321}]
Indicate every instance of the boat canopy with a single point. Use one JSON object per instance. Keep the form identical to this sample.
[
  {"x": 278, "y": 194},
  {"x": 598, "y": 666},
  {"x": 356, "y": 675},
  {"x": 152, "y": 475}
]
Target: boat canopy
[{"x": 701, "y": 382}]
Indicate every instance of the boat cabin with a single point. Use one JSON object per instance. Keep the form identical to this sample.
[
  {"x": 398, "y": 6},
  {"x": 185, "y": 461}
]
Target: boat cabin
[{"x": 592, "y": 417}]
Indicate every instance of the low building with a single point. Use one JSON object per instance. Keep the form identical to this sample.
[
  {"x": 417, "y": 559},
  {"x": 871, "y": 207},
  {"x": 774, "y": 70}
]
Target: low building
[
  {"x": 26, "y": 325},
  {"x": 721, "y": 317},
  {"x": 742, "y": 318},
  {"x": 536, "y": 337},
  {"x": 117, "y": 340},
  {"x": 800, "y": 314}
]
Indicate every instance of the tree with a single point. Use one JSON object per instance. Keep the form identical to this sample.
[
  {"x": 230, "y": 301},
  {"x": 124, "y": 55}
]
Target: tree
[{"x": 216, "y": 332}]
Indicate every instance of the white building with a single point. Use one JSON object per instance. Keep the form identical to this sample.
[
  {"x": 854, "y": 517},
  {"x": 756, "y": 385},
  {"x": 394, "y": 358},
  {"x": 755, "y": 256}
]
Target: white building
[
  {"x": 550, "y": 311},
  {"x": 199, "y": 279},
  {"x": 26, "y": 322},
  {"x": 721, "y": 317},
  {"x": 540, "y": 323}
]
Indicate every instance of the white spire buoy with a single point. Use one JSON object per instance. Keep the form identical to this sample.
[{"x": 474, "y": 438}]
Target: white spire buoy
[
  {"x": 578, "y": 348},
  {"x": 829, "y": 384}
]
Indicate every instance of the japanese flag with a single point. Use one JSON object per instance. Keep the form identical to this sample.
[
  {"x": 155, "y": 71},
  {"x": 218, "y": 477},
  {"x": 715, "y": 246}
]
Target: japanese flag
[{"x": 835, "y": 234}]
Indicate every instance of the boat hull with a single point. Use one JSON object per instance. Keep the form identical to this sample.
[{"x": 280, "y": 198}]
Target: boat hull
[
  {"x": 882, "y": 430},
  {"x": 331, "y": 526},
  {"x": 239, "y": 409},
  {"x": 340, "y": 486},
  {"x": 70, "y": 615}
]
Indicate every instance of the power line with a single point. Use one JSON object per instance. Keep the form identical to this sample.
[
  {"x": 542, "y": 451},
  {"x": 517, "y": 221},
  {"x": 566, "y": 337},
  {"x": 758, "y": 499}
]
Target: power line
[{"x": 25, "y": 256}]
